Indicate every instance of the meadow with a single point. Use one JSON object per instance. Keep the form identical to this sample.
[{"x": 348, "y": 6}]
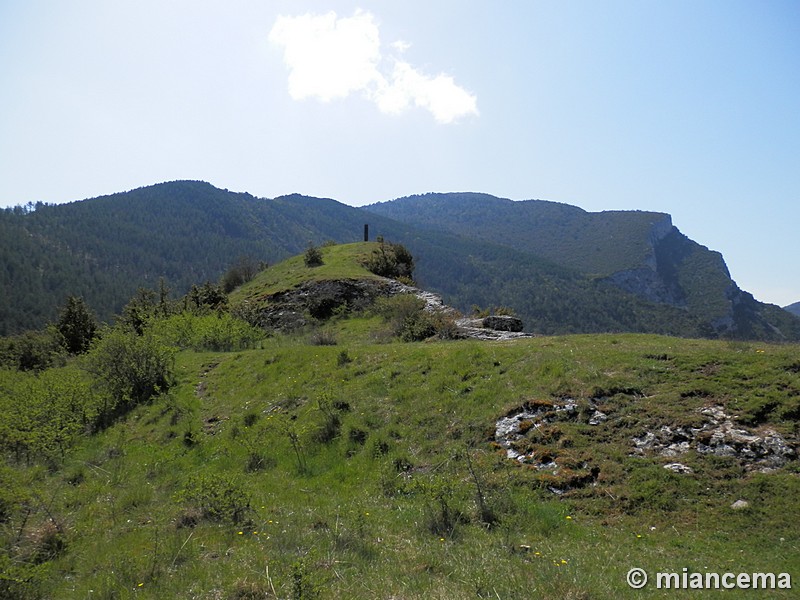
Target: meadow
[{"x": 371, "y": 470}]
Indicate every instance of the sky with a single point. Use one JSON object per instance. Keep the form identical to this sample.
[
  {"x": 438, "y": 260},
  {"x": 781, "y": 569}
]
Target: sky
[{"x": 688, "y": 107}]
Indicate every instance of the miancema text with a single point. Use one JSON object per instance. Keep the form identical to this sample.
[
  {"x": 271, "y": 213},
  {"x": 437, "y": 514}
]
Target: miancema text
[{"x": 714, "y": 581}]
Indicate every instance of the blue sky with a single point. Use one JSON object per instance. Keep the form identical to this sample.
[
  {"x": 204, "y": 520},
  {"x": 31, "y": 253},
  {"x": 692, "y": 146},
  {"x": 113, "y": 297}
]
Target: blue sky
[{"x": 685, "y": 107}]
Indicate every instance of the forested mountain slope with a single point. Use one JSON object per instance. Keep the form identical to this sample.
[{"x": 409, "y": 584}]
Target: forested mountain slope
[
  {"x": 186, "y": 232},
  {"x": 560, "y": 268},
  {"x": 597, "y": 243},
  {"x": 638, "y": 252}
]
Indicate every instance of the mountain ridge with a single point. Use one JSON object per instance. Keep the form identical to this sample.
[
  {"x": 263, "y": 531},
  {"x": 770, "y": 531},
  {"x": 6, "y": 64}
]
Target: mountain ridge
[
  {"x": 637, "y": 251},
  {"x": 793, "y": 308},
  {"x": 581, "y": 272}
]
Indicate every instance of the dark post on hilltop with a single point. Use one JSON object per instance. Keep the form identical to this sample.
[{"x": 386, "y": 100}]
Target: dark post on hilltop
[{"x": 366, "y": 232}]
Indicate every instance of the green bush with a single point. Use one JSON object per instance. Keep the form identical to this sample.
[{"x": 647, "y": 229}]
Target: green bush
[
  {"x": 32, "y": 350},
  {"x": 218, "y": 497},
  {"x": 408, "y": 319},
  {"x": 391, "y": 260},
  {"x": 20, "y": 580},
  {"x": 77, "y": 325},
  {"x": 240, "y": 272},
  {"x": 41, "y": 415},
  {"x": 312, "y": 256},
  {"x": 206, "y": 297},
  {"x": 214, "y": 332},
  {"x": 442, "y": 506},
  {"x": 132, "y": 368}
]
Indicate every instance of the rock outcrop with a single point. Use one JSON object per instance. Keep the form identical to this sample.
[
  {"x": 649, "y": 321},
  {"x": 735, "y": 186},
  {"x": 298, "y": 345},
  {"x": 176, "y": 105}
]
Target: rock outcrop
[
  {"x": 291, "y": 309},
  {"x": 718, "y": 436},
  {"x": 318, "y": 300},
  {"x": 503, "y": 323}
]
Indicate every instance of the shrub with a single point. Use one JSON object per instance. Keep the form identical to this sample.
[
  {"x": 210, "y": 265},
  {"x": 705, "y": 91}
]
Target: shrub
[
  {"x": 257, "y": 461},
  {"x": 442, "y": 511},
  {"x": 12, "y": 493},
  {"x": 409, "y": 320},
  {"x": 322, "y": 338},
  {"x": 219, "y": 498},
  {"x": 240, "y": 272},
  {"x": 331, "y": 420},
  {"x": 46, "y": 542},
  {"x": 42, "y": 415},
  {"x": 215, "y": 332},
  {"x": 206, "y": 297},
  {"x": 249, "y": 590},
  {"x": 391, "y": 260},
  {"x": 138, "y": 311},
  {"x": 132, "y": 368},
  {"x": 32, "y": 350},
  {"x": 312, "y": 256},
  {"x": 20, "y": 580}
]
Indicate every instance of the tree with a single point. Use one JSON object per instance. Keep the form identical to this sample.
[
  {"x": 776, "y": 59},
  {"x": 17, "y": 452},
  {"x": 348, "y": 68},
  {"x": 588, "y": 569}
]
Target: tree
[
  {"x": 240, "y": 272},
  {"x": 208, "y": 296},
  {"x": 77, "y": 325},
  {"x": 139, "y": 310}
]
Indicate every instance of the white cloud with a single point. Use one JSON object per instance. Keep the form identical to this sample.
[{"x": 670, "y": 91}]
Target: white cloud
[
  {"x": 440, "y": 95},
  {"x": 330, "y": 58}
]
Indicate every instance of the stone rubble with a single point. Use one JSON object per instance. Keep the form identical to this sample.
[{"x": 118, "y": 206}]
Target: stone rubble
[
  {"x": 763, "y": 450},
  {"x": 507, "y": 429},
  {"x": 718, "y": 436}
]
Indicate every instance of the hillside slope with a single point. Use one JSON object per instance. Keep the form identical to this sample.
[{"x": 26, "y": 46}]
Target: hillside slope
[
  {"x": 257, "y": 477},
  {"x": 580, "y": 273},
  {"x": 594, "y": 243},
  {"x": 356, "y": 466}
]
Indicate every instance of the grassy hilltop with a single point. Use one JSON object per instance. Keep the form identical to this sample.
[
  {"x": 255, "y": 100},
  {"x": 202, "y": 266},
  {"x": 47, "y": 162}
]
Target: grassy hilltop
[{"x": 369, "y": 468}]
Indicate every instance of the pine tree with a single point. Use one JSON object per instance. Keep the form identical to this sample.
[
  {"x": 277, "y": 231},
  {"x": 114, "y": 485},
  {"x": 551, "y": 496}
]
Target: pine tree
[{"x": 77, "y": 325}]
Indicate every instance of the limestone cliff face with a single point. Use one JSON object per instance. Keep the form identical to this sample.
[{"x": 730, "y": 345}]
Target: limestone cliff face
[
  {"x": 659, "y": 230},
  {"x": 649, "y": 281},
  {"x": 681, "y": 273}
]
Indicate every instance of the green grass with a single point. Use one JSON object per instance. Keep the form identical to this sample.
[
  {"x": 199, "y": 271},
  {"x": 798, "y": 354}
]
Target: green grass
[
  {"x": 342, "y": 261},
  {"x": 286, "y": 472}
]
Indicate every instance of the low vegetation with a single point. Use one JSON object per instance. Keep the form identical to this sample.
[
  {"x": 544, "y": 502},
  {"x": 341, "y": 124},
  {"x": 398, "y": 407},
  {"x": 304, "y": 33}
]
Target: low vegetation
[{"x": 249, "y": 465}]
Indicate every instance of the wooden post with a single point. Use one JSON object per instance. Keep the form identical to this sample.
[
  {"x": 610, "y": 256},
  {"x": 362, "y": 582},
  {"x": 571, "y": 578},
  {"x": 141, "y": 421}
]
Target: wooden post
[{"x": 366, "y": 232}]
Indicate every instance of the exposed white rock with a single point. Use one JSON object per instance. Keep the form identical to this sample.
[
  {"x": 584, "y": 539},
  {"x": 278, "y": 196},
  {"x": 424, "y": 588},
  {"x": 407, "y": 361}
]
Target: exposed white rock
[
  {"x": 718, "y": 436},
  {"x": 597, "y": 418},
  {"x": 677, "y": 467}
]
